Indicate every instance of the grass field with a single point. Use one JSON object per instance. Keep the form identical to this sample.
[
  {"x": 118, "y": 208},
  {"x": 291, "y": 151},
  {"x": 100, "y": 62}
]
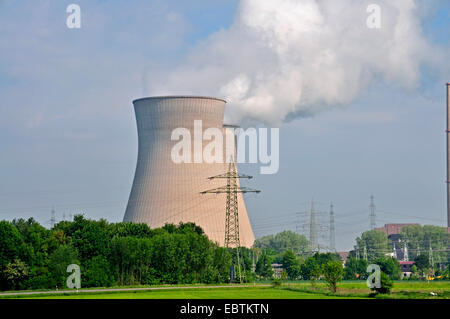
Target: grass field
[{"x": 291, "y": 290}]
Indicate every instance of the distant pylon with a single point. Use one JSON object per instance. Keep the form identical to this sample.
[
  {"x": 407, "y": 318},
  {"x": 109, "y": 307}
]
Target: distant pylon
[
  {"x": 332, "y": 231},
  {"x": 372, "y": 213},
  {"x": 52, "y": 218},
  {"x": 430, "y": 257},
  {"x": 365, "y": 252},
  {"x": 313, "y": 229},
  {"x": 394, "y": 250},
  {"x": 405, "y": 251}
]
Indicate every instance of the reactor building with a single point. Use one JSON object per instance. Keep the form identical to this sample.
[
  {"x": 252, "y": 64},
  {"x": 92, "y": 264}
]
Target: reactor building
[{"x": 167, "y": 192}]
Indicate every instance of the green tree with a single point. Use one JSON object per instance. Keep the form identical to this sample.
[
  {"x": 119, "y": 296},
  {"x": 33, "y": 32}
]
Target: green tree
[
  {"x": 311, "y": 270},
  {"x": 283, "y": 241},
  {"x": 332, "y": 272},
  {"x": 374, "y": 243},
  {"x": 264, "y": 267},
  {"x": 97, "y": 273},
  {"x": 15, "y": 272},
  {"x": 420, "y": 238},
  {"x": 422, "y": 263},
  {"x": 291, "y": 265},
  {"x": 312, "y": 267},
  {"x": 390, "y": 266},
  {"x": 355, "y": 268},
  {"x": 414, "y": 272},
  {"x": 221, "y": 264},
  {"x": 385, "y": 285},
  {"x": 90, "y": 238},
  {"x": 129, "y": 229},
  {"x": 12, "y": 246},
  {"x": 62, "y": 257}
]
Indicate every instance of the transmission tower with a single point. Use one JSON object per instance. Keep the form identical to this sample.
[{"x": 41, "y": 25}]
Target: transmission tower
[
  {"x": 405, "y": 251},
  {"x": 365, "y": 252},
  {"x": 394, "y": 250},
  {"x": 372, "y": 213},
  {"x": 232, "y": 238},
  {"x": 52, "y": 218},
  {"x": 332, "y": 232},
  {"x": 313, "y": 229},
  {"x": 430, "y": 257}
]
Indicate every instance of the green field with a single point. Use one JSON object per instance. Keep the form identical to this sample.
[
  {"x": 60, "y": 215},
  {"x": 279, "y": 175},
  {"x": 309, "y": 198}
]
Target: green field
[{"x": 292, "y": 290}]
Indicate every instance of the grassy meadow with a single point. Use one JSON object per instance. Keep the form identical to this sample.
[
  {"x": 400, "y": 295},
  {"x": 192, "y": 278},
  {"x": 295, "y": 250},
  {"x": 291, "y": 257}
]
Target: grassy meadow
[{"x": 288, "y": 290}]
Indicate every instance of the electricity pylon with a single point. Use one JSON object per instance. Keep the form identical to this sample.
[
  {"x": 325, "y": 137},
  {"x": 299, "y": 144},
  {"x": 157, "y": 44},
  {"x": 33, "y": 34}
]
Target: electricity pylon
[
  {"x": 332, "y": 231},
  {"x": 313, "y": 230},
  {"x": 232, "y": 238},
  {"x": 52, "y": 218},
  {"x": 372, "y": 214},
  {"x": 365, "y": 252}
]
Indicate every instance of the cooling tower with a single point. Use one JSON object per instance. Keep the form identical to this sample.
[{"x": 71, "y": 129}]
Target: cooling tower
[{"x": 166, "y": 192}]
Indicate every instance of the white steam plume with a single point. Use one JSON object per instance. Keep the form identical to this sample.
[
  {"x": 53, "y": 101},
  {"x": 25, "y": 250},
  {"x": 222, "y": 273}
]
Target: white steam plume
[{"x": 281, "y": 59}]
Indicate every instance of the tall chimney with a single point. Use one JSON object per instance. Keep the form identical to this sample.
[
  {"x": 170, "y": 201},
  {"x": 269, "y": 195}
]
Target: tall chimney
[{"x": 448, "y": 156}]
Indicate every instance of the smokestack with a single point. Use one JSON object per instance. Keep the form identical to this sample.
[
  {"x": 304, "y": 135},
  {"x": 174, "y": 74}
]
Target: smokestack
[{"x": 448, "y": 156}]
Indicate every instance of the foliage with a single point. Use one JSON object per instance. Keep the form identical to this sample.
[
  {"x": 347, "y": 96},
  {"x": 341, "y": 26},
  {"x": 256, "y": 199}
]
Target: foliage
[
  {"x": 385, "y": 285},
  {"x": 284, "y": 241},
  {"x": 15, "y": 272},
  {"x": 33, "y": 257},
  {"x": 421, "y": 238},
  {"x": 12, "y": 246},
  {"x": 312, "y": 268},
  {"x": 390, "y": 266},
  {"x": 264, "y": 267},
  {"x": 291, "y": 265},
  {"x": 374, "y": 243},
  {"x": 355, "y": 269},
  {"x": 422, "y": 262},
  {"x": 276, "y": 283},
  {"x": 97, "y": 272},
  {"x": 63, "y": 256},
  {"x": 332, "y": 272}
]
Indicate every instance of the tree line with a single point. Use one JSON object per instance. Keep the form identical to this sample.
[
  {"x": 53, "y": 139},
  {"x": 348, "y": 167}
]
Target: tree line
[
  {"x": 117, "y": 254},
  {"x": 109, "y": 254}
]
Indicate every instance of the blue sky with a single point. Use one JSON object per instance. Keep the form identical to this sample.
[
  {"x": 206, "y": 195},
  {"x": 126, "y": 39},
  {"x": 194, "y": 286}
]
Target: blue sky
[{"x": 68, "y": 137}]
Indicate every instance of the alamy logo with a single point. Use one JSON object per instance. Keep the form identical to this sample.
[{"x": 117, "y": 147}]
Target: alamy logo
[
  {"x": 73, "y": 20},
  {"x": 221, "y": 146},
  {"x": 374, "y": 280},
  {"x": 74, "y": 279},
  {"x": 374, "y": 19}
]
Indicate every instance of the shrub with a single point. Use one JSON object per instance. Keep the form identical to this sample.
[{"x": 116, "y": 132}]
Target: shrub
[
  {"x": 385, "y": 285},
  {"x": 332, "y": 272},
  {"x": 276, "y": 283}
]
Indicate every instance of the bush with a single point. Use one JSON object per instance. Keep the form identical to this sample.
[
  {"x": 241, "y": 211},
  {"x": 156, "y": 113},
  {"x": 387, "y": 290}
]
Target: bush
[
  {"x": 385, "y": 285},
  {"x": 332, "y": 272},
  {"x": 276, "y": 283}
]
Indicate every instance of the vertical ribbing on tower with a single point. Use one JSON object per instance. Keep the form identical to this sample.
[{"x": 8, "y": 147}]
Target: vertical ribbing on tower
[
  {"x": 372, "y": 213},
  {"x": 332, "y": 232}
]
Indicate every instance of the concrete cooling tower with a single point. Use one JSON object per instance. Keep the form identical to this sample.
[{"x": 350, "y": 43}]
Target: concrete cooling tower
[{"x": 166, "y": 192}]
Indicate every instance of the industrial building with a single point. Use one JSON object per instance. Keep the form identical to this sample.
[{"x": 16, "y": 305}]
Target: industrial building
[{"x": 167, "y": 192}]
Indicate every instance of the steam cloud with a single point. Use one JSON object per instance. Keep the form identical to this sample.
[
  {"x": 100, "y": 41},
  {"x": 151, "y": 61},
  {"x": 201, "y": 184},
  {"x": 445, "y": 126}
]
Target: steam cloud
[{"x": 283, "y": 59}]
